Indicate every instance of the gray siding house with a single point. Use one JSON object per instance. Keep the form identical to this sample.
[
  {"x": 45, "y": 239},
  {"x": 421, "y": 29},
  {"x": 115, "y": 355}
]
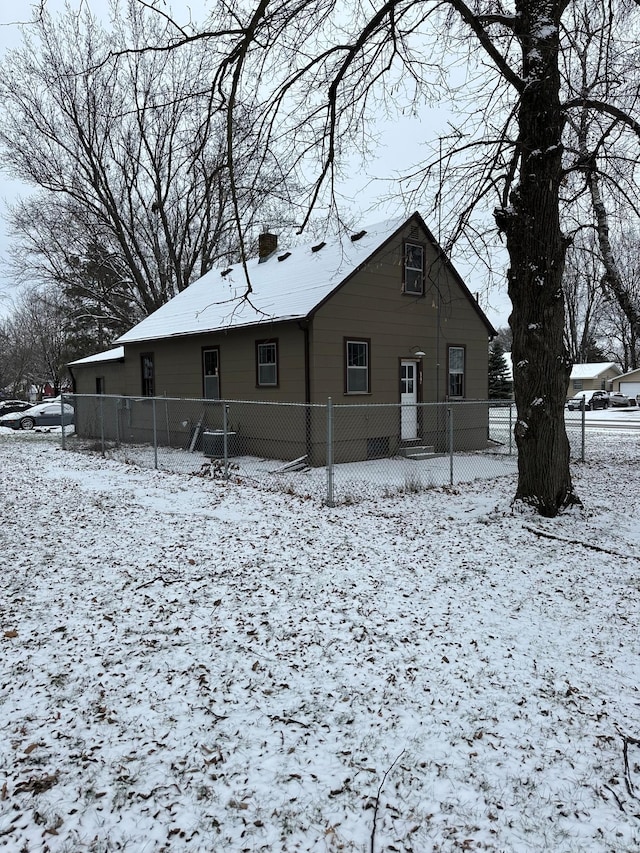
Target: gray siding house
[
  {"x": 380, "y": 316},
  {"x": 594, "y": 376}
]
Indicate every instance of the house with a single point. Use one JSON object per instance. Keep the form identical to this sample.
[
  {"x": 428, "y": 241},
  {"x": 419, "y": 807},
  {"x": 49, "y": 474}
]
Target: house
[
  {"x": 596, "y": 376},
  {"x": 380, "y": 316},
  {"x": 99, "y": 372},
  {"x": 628, "y": 383}
]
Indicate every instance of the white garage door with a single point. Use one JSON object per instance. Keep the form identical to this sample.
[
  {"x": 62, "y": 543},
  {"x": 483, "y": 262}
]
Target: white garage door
[{"x": 631, "y": 389}]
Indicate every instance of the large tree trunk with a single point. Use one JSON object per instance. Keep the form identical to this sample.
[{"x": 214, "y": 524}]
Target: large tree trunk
[{"x": 536, "y": 246}]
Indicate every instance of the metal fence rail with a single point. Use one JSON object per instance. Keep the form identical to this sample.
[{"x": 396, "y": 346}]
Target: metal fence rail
[{"x": 336, "y": 453}]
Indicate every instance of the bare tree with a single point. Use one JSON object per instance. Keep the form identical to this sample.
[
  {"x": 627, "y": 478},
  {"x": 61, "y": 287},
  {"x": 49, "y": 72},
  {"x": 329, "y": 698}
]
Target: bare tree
[
  {"x": 44, "y": 317},
  {"x": 603, "y": 170},
  {"x": 584, "y": 299},
  {"x": 131, "y": 156},
  {"x": 15, "y": 357},
  {"x": 35, "y": 342},
  {"x": 621, "y": 335}
]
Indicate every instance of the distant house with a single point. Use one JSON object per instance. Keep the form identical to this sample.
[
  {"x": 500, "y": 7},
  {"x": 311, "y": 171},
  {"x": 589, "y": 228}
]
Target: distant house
[
  {"x": 597, "y": 376},
  {"x": 99, "y": 372},
  {"x": 380, "y": 316},
  {"x": 628, "y": 383}
]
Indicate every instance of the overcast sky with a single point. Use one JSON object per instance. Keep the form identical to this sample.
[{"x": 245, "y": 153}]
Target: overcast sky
[{"x": 399, "y": 147}]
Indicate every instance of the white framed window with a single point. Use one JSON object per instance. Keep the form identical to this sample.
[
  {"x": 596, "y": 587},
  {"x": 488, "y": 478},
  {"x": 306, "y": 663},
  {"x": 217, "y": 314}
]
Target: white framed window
[
  {"x": 413, "y": 269},
  {"x": 357, "y": 367},
  {"x": 456, "y": 371},
  {"x": 267, "y": 363}
]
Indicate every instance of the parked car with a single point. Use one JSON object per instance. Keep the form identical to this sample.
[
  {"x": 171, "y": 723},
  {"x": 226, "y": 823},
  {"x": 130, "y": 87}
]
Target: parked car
[
  {"x": 590, "y": 400},
  {"x": 8, "y": 406},
  {"x": 44, "y": 414},
  {"x": 620, "y": 399}
]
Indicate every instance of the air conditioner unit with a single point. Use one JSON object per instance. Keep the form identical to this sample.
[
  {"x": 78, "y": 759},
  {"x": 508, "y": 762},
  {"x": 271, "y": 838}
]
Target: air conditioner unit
[{"x": 213, "y": 444}]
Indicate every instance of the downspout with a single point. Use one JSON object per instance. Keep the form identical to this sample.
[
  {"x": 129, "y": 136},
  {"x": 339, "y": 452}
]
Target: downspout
[{"x": 304, "y": 326}]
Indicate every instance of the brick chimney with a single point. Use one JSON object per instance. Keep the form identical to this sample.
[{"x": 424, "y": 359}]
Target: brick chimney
[{"x": 267, "y": 245}]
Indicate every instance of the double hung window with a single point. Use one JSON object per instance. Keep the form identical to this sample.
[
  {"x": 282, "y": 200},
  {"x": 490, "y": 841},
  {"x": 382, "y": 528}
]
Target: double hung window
[
  {"x": 357, "y": 378},
  {"x": 267, "y": 363},
  {"x": 456, "y": 371}
]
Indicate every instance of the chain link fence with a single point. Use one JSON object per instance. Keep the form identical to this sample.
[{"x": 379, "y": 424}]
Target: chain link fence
[{"x": 333, "y": 453}]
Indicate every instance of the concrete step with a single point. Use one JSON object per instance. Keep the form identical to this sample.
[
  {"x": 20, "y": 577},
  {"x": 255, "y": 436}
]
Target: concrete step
[{"x": 416, "y": 451}]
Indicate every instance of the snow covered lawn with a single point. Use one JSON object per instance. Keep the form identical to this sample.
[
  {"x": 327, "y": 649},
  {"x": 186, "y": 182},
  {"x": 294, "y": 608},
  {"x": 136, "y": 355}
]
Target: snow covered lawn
[{"x": 189, "y": 665}]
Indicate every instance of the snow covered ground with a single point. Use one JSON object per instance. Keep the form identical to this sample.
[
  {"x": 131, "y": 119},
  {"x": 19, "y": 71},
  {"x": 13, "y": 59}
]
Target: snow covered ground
[{"x": 193, "y": 665}]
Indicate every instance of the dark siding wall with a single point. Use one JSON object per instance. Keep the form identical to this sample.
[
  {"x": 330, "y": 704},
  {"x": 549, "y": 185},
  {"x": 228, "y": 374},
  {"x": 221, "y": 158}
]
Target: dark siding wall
[
  {"x": 85, "y": 376},
  {"x": 371, "y": 305},
  {"x": 178, "y": 366}
]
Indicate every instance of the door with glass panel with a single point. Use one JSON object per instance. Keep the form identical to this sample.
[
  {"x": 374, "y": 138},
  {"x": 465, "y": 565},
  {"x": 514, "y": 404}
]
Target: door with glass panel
[{"x": 408, "y": 400}]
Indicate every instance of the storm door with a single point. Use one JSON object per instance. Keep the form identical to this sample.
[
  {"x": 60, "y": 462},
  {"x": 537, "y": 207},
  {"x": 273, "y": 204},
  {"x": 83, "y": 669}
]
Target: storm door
[{"x": 408, "y": 400}]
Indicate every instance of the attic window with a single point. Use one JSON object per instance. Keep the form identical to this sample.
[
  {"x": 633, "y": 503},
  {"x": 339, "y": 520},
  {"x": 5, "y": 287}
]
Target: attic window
[
  {"x": 225, "y": 272},
  {"x": 318, "y": 247},
  {"x": 284, "y": 257},
  {"x": 358, "y": 236},
  {"x": 413, "y": 282}
]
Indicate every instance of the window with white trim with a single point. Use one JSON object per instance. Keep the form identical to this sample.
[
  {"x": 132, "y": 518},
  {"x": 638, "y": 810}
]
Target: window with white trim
[
  {"x": 413, "y": 269},
  {"x": 267, "y": 363},
  {"x": 357, "y": 367},
  {"x": 456, "y": 371}
]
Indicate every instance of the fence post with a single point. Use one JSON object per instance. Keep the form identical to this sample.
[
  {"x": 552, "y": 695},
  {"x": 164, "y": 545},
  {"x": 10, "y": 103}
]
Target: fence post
[
  {"x": 450, "y": 424},
  {"x": 155, "y": 434},
  {"x": 63, "y": 443},
  {"x": 329, "y": 453},
  {"x": 583, "y": 428},
  {"x": 102, "y": 422},
  {"x": 510, "y": 429},
  {"x": 225, "y": 442}
]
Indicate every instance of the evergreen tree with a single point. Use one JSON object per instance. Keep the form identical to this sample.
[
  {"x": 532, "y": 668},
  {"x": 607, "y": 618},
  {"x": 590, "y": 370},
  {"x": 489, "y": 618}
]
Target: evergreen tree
[{"x": 500, "y": 386}]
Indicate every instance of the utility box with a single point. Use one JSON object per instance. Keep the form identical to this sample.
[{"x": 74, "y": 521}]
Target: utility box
[{"x": 213, "y": 444}]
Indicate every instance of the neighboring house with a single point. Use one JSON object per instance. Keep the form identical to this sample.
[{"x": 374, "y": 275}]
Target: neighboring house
[
  {"x": 100, "y": 372},
  {"x": 628, "y": 383},
  {"x": 597, "y": 376},
  {"x": 380, "y": 316}
]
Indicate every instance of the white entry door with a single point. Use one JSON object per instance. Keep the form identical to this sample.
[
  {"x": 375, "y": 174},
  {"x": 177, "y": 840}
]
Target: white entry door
[{"x": 408, "y": 400}]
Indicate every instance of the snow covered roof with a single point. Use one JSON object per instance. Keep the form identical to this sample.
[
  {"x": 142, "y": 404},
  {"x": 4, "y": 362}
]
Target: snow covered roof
[
  {"x": 593, "y": 370},
  {"x": 288, "y": 285},
  {"x": 109, "y": 355},
  {"x": 635, "y": 373},
  {"x": 578, "y": 371}
]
